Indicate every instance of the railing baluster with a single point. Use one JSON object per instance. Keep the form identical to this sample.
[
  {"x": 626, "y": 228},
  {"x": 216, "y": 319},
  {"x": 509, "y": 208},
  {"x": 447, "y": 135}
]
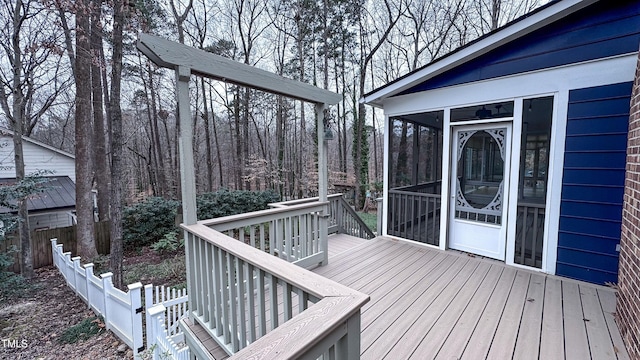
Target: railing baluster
[
  {"x": 525, "y": 225},
  {"x": 274, "y": 301},
  {"x": 252, "y": 235},
  {"x": 262, "y": 312},
  {"x": 224, "y": 267},
  {"x": 534, "y": 238},
  {"x": 303, "y": 300},
  {"x": 242, "y": 331},
  {"x": 209, "y": 288},
  {"x": 218, "y": 286},
  {"x": 251, "y": 303},
  {"x": 233, "y": 301},
  {"x": 288, "y": 307},
  {"x": 199, "y": 282},
  {"x": 304, "y": 237}
]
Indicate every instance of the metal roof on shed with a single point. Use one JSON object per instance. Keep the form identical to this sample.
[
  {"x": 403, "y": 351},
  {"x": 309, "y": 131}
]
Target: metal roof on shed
[{"x": 59, "y": 193}]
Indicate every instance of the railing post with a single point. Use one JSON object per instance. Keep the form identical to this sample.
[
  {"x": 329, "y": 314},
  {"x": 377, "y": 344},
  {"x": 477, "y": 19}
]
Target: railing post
[
  {"x": 155, "y": 325},
  {"x": 379, "y": 211},
  {"x": 148, "y": 304},
  {"x": 349, "y": 346},
  {"x": 54, "y": 243},
  {"x": 88, "y": 273},
  {"x": 135, "y": 300},
  {"x": 107, "y": 285}
]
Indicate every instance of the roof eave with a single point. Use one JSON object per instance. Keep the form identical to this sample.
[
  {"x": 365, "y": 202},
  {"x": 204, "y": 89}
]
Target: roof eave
[{"x": 492, "y": 41}]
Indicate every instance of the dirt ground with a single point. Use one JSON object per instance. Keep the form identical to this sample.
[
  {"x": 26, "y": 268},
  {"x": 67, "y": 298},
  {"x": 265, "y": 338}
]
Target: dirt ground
[{"x": 30, "y": 327}]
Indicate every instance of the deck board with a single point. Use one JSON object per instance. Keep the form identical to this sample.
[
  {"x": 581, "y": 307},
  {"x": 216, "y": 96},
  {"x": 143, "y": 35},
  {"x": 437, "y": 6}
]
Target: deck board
[
  {"x": 608, "y": 301},
  {"x": 528, "y": 341},
  {"x": 575, "y": 334},
  {"x": 459, "y": 336},
  {"x": 432, "y": 328},
  {"x": 597, "y": 331},
  {"x": 425, "y": 315},
  {"x": 426, "y": 303},
  {"x": 552, "y": 340}
]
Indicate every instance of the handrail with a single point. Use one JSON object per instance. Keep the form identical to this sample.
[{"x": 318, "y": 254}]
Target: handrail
[
  {"x": 289, "y": 203},
  {"x": 234, "y": 281},
  {"x": 349, "y": 222},
  {"x": 257, "y": 216},
  {"x": 405, "y": 192}
]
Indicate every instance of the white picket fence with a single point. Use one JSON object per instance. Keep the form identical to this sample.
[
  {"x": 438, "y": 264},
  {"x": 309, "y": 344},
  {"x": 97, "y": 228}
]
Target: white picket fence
[
  {"x": 122, "y": 311},
  {"x": 164, "y": 311}
]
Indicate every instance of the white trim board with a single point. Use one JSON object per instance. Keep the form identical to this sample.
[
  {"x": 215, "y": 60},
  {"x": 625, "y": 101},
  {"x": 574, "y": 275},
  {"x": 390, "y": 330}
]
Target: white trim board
[{"x": 588, "y": 74}]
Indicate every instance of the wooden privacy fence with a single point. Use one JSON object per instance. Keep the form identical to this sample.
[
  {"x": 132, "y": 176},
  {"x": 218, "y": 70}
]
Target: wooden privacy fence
[{"x": 41, "y": 244}]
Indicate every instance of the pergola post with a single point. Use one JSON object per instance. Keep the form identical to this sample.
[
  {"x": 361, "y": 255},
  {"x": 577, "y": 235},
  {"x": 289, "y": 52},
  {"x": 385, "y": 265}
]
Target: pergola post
[
  {"x": 185, "y": 146},
  {"x": 187, "y": 169},
  {"x": 323, "y": 181}
]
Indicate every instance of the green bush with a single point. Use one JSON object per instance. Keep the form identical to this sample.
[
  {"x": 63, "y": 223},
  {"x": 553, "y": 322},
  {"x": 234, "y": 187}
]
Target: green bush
[
  {"x": 169, "y": 243},
  {"x": 230, "y": 202},
  {"x": 83, "y": 330},
  {"x": 147, "y": 222}
]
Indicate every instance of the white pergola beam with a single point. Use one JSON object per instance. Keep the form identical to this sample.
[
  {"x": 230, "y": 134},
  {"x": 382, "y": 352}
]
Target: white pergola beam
[{"x": 170, "y": 54}]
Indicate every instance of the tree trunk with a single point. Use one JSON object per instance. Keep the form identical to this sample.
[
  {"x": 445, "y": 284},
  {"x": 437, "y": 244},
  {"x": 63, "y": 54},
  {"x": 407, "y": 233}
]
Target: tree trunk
[
  {"x": 117, "y": 171},
  {"x": 17, "y": 122},
  {"x": 207, "y": 138},
  {"x": 100, "y": 149},
  {"x": 84, "y": 134},
  {"x": 215, "y": 138}
]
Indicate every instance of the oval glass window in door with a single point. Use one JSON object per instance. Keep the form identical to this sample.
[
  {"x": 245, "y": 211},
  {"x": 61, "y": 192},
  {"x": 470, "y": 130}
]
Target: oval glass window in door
[{"x": 480, "y": 175}]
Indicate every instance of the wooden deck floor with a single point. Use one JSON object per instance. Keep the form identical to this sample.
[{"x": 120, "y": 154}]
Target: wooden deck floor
[{"x": 429, "y": 304}]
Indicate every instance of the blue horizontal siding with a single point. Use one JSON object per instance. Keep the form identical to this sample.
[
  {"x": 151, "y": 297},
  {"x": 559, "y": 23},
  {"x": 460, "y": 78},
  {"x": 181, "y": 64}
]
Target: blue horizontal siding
[
  {"x": 593, "y": 183},
  {"x": 580, "y": 273},
  {"x": 590, "y": 243},
  {"x": 580, "y": 209},
  {"x": 615, "y": 124},
  {"x": 603, "y": 142},
  {"x": 603, "y": 160},
  {"x": 593, "y": 176},
  {"x": 604, "y": 29},
  {"x": 592, "y": 193}
]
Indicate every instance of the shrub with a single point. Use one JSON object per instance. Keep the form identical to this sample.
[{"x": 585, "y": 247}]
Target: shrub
[
  {"x": 147, "y": 222},
  {"x": 169, "y": 243},
  {"x": 230, "y": 202},
  {"x": 83, "y": 330}
]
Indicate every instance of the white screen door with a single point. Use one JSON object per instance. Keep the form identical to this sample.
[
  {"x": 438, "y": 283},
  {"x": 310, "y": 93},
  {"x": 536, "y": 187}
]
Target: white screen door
[{"x": 479, "y": 188}]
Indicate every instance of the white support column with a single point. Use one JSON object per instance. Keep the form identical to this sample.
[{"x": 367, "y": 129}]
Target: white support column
[
  {"x": 185, "y": 144},
  {"x": 187, "y": 171},
  {"x": 323, "y": 173}
]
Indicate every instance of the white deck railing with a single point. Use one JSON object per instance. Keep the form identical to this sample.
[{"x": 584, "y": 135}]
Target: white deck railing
[
  {"x": 260, "y": 306},
  {"x": 292, "y": 233},
  {"x": 341, "y": 217}
]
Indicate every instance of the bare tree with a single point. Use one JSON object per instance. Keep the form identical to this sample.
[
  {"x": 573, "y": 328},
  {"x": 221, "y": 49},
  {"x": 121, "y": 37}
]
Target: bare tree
[
  {"x": 84, "y": 133},
  {"x": 368, "y": 48},
  {"x": 30, "y": 87},
  {"x": 100, "y": 149},
  {"x": 116, "y": 198}
]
